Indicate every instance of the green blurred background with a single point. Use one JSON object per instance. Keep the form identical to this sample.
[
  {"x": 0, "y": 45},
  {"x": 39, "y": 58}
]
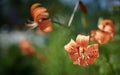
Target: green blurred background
[{"x": 55, "y": 60}]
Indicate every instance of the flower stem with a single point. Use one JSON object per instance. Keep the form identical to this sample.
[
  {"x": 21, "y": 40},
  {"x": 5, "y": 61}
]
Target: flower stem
[
  {"x": 72, "y": 16},
  {"x": 60, "y": 24}
]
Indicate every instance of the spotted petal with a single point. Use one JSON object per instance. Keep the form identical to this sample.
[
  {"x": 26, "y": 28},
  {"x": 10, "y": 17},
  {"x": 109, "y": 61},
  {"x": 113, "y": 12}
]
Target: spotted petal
[
  {"x": 71, "y": 46},
  {"x": 73, "y": 55},
  {"x": 82, "y": 40},
  {"x": 107, "y": 26},
  {"x": 100, "y": 37},
  {"x": 92, "y": 53},
  {"x": 81, "y": 61}
]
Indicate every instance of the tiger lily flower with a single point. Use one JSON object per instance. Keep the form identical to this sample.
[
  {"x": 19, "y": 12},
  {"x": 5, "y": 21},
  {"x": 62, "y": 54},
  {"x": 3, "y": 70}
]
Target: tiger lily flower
[{"x": 80, "y": 52}]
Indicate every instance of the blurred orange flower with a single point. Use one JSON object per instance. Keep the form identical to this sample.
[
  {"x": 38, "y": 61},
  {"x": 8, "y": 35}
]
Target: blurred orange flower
[
  {"x": 80, "y": 52},
  {"x": 107, "y": 26},
  {"x": 40, "y": 17},
  {"x": 105, "y": 32},
  {"x": 100, "y": 36},
  {"x": 26, "y": 47}
]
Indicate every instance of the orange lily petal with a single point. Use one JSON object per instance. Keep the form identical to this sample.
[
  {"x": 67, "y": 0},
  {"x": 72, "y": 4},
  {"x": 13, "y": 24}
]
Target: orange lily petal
[
  {"x": 73, "y": 55},
  {"x": 83, "y": 62},
  {"x": 38, "y": 11},
  {"x": 80, "y": 52},
  {"x": 82, "y": 40},
  {"x": 26, "y": 47},
  {"x": 41, "y": 20},
  {"x": 34, "y": 6},
  {"x": 45, "y": 25},
  {"x": 100, "y": 36},
  {"x": 92, "y": 53},
  {"x": 41, "y": 16},
  {"x": 107, "y": 26},
  {"x": 75, "y": 62},
  {"x": 71, "y": 46}
]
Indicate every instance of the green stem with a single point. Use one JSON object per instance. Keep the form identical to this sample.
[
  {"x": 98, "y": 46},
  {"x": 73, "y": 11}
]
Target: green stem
[
  {"x": 60, "y": 24},
  {"x": 72, "y": 15}
]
